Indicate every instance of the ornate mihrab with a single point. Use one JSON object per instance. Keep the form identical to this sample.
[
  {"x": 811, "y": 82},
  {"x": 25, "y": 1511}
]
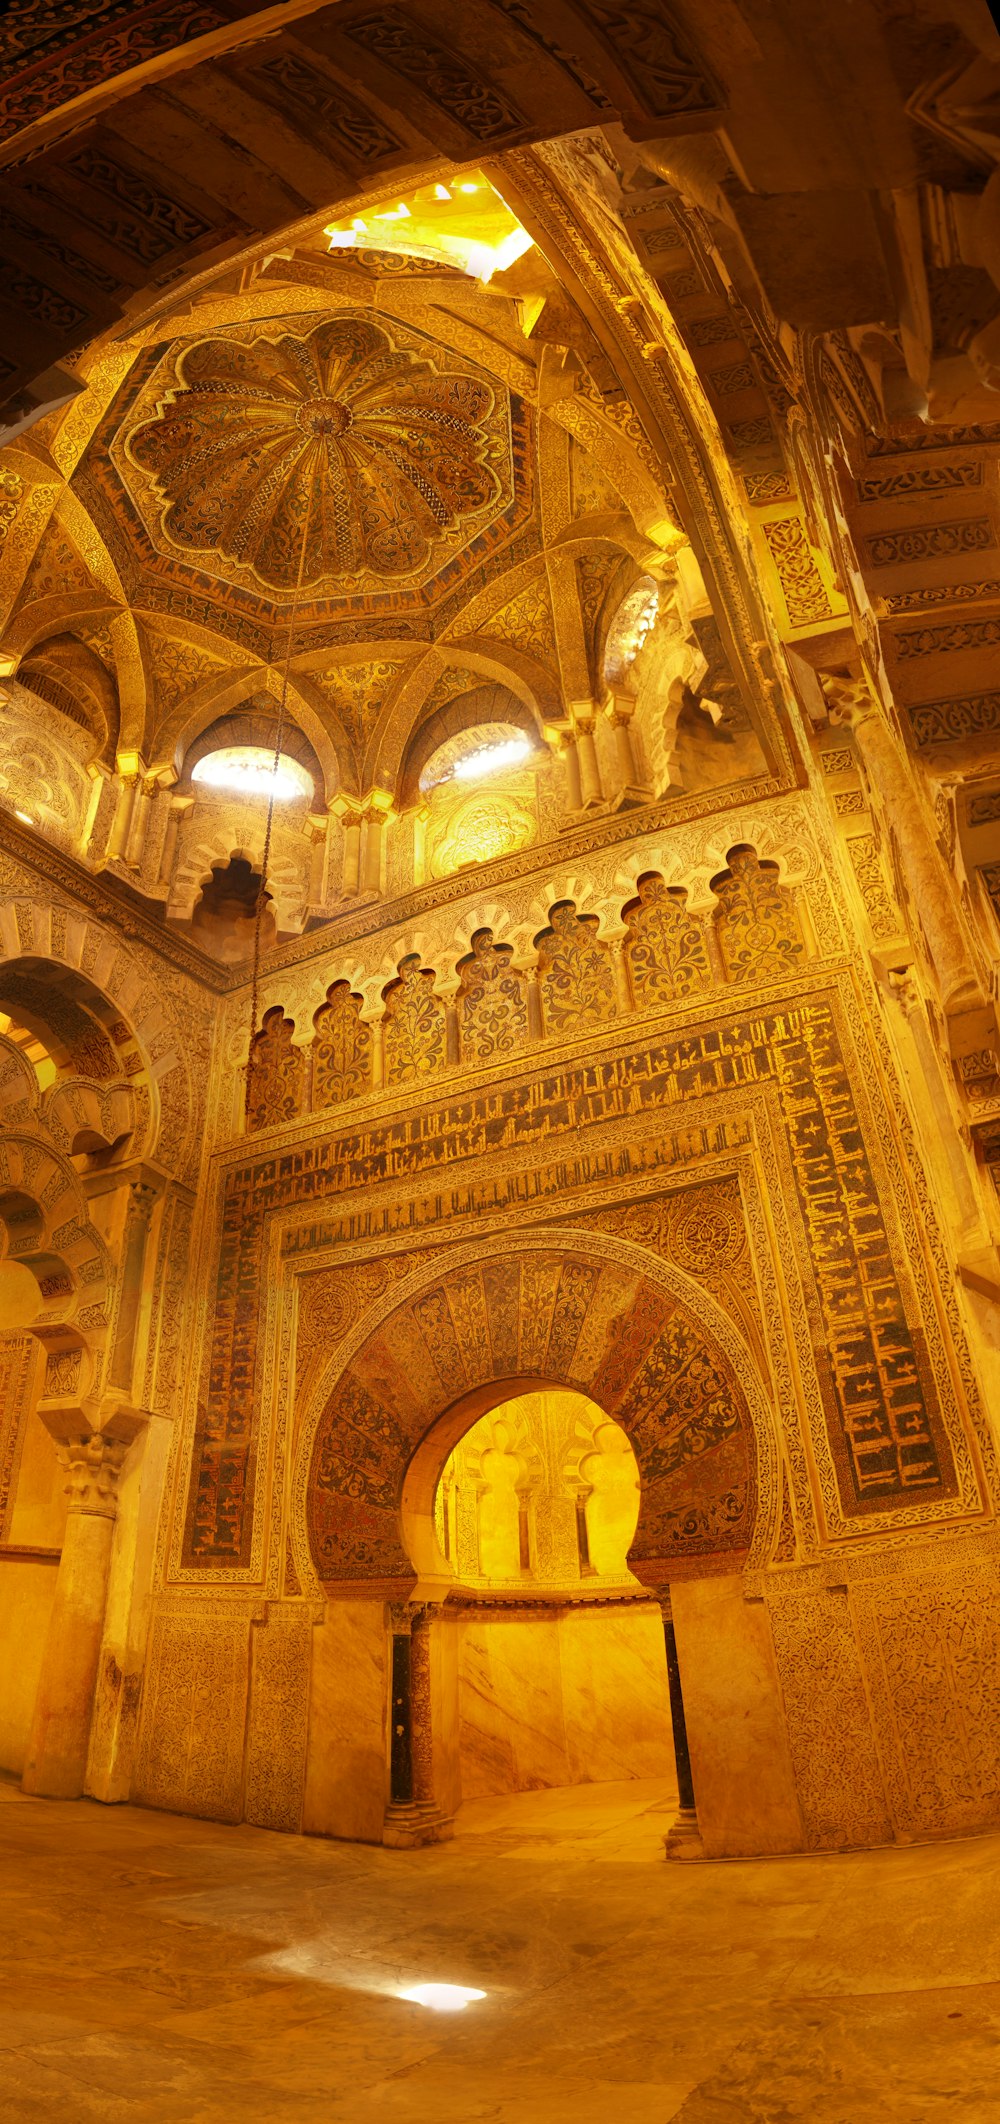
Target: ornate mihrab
[{"x": 623, "y": 1020}]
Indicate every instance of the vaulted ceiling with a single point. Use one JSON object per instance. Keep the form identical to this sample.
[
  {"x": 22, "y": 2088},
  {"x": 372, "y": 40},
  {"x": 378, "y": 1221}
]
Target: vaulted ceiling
[{"x": 353, "y": 462}]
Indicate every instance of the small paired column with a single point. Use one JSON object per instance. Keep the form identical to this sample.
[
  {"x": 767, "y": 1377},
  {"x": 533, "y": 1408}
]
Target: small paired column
[
  {"x": 142, "y": 806},
  {"x": 316, "y": 832},
  {"x": 350, "y": 819},
  {"x": 413, "y": 1816},
  {"x": 179, "y": 808},
  {"x": 629, "y": 791},
  {"x": 122, "y": 824},
  {"x": 363, "y": 823},
  {"x": 574, "y": 792},
  {"x": 378, "y": 808},
  {"x": 91, "y": 1450},
  {"x": 585, "y": 720},
  {"x": 683, "y": 1838}
]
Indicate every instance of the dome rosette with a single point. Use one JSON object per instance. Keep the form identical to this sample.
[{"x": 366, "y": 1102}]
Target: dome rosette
[{"x": 369, "y": 451}]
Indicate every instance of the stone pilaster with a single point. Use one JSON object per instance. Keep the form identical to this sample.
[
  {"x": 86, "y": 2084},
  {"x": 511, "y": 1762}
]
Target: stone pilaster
[{"x": 931, "y": 892}]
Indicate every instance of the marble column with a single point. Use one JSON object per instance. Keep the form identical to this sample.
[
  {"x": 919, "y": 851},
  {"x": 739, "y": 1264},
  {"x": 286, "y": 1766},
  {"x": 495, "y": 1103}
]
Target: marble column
[
  {"x": 939, "y": 1118},
  {"x": 573, "y": 789},
  {"x": 413, "y": 1815},
  {"x": 400, "y": 1731},
  {"x": 421, "y": 1755},
  {"x": 629, "y": 790},
  {"x": 120, "y": 830},
  {"x": 453, "y": 1038},
  {"x": 378, "y": 1053},
  {"x": 92, "y": 1458},
  {"x": 930, "y": 888},
  {"x": 590, "y": 773},
  {"x": 179, "y": 807},
  {"x": 351, "y": 882},
  {"x": 683, "y": 1838},
  {"x": 371, "y": 871},
  {"x": 317, "y": 860},
  {"x": 139, "y": 822}
]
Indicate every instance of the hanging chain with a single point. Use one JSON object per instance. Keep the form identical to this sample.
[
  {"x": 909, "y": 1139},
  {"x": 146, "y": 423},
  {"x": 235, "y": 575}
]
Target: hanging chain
[{"x": 251, "y": 1061}]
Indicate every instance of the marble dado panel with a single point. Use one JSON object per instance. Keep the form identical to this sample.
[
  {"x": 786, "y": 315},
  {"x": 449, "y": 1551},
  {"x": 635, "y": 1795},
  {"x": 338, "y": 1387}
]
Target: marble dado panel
[
  {"x": 194, "y": 1710},
  {"x": 890, "y": 1690},
  {"x": 225, "y": 1710},
  {"x": 871, "y": 1324}
]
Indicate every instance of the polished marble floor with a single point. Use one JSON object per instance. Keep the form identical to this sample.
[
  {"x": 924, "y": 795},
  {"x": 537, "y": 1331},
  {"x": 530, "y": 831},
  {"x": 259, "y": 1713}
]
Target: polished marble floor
[{"x": 158, "y": 1970}]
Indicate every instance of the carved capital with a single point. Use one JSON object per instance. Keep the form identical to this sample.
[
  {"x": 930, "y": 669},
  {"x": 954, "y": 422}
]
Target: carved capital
[
  {"x": 92, "y": 1454},
  {"x": 849, "y": 702},
  {"x": 905, "y": 989},
  {"x": 142, "y": 1200}
]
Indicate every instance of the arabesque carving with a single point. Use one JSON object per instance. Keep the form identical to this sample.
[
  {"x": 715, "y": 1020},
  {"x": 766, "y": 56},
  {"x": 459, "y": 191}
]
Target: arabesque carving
[
  {"x": 275, "y": 1073},
  {"x": 414, "y": 1024},
  {"x": 492, "y": 1006},
  {"x": 342, "y": 1049},
  {"x": 758, "y": 929},
  {"x": 666, "y": 949},
  {"x": 575, "y": 975}
]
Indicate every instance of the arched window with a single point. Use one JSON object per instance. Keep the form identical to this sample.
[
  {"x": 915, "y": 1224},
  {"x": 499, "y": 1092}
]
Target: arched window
[
  {"x": 235, "y": 758},
  {"x": 477, "y": 755}
]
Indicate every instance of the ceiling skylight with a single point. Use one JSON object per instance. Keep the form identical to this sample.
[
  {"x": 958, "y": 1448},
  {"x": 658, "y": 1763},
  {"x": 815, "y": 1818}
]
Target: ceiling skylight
[{"x": 464, "y": 224}]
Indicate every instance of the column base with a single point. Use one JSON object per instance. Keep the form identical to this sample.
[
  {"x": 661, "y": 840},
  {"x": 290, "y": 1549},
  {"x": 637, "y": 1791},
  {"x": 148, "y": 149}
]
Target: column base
[
  {"x": 631, "y": 799},
  {"x": 413, "y": 1822},
  {"x": 683, "y": 1838}
]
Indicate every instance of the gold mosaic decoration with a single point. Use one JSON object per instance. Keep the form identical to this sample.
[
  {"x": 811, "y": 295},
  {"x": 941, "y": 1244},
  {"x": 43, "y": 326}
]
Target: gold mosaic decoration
[{"x": 385, "y": 454}]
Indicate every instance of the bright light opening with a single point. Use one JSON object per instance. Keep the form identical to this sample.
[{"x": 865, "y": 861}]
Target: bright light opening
[
  {"x": 442, "y": 1998},
  {"x": 466, "y": 224},
  {"x": 25, "y": 817},
  {"x": 491, "y": 759},
  {"x": 249, "y": 770}
]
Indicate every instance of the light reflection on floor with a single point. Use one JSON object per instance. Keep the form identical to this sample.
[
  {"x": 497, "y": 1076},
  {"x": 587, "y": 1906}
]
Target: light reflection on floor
[{"x": 160, "y": 1970}]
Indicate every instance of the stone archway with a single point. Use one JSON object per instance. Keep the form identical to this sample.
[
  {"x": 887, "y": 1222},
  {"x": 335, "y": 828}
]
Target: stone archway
[{"x": 555, "y": 1310}]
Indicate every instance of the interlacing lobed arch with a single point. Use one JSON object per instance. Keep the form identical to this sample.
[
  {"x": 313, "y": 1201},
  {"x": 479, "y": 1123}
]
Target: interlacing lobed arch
[{"x": 499, "y": 1002}]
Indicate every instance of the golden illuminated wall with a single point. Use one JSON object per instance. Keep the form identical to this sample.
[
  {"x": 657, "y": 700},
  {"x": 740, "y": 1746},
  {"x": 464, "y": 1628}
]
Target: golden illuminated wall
[
  {"x": 541, "y": 1494},
  {"x": 648, "y": 1082},
  {"x": 556, "y": 1681}
]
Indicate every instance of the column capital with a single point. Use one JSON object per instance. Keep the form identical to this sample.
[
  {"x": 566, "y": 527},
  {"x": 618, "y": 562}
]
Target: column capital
[
  {"x": 131, "y": 766},
  {"x": 621, "y": 703},
  {"x": 905, "y": 989},
  {"x": 143, "y": 1198},
  {"x": 850, "y": 702},
  {"x": 91, "y": 1442}
]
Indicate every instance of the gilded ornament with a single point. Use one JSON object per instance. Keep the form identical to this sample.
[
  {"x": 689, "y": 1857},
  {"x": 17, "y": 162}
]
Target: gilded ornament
[{"x": 365, "y": 451}]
